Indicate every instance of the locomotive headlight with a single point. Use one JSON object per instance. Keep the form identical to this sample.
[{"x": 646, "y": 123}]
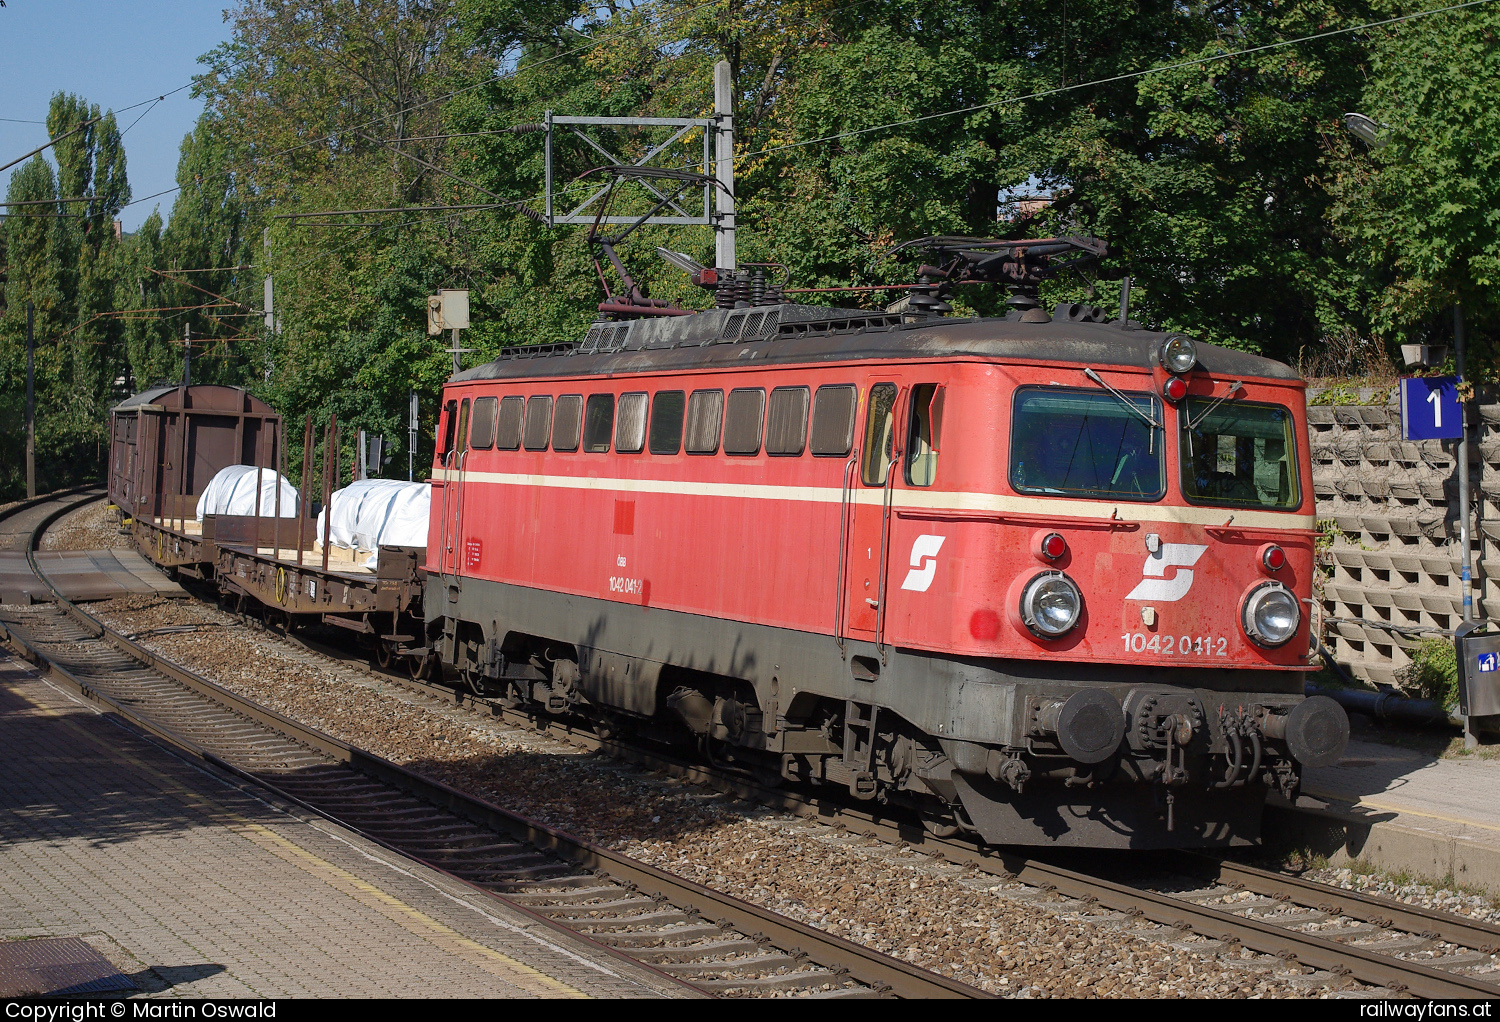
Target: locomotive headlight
[
  {"x": 1050, "y": 604},
  {"x": 1271, "y": 615},
  {"x": 1178, "y": 354}
]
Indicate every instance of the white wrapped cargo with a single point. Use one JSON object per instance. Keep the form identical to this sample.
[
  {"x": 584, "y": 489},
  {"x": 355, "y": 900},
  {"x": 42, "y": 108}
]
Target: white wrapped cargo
[
  {"x": 372, "y": 513},
  {"x": 232, "y": 492}
]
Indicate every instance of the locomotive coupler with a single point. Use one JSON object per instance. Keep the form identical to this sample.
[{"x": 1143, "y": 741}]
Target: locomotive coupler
[
  {"x": 1008, "y": 769},
  {"x": 1240, "y": 729},
  {"x": 1177, "y": 731}
]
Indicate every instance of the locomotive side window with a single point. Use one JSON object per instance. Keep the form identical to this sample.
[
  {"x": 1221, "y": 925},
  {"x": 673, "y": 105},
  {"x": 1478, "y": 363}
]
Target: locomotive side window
[
  {"x": 630, "y": 427},
  {"x": 704, "y": 412},
  {"x": 924, "y": 433},
  {"x": 598, "y": 423},
  {"x": 1086, "y": 443},
  {"x": 482, "y": 430},
  {"x": 538, "y": 422},
  {"x": 508, "y": 424},
  {"x": 450, "y": 419},
  {"x": 742, "y": 420},
  {"x": 666, "y": 421},
  {"x": 880, "y": 432},
  {"x": 833, "y": 420},
  {"x": 566, "y": 421},
  {"x": 463, "y": 426},
  {"x": 786, "y": 421},
  {"x": 1238, "y": 454}
]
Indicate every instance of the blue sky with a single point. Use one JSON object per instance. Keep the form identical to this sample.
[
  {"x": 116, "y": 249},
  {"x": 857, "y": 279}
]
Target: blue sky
[{"x": 114, "y": 53}]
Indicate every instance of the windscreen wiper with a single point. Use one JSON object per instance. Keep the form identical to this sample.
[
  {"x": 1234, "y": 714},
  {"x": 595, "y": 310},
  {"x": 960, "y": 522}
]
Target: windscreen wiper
[
  {"x": 1150, "y": 421},
  {"x": 1216, "y": 402}
]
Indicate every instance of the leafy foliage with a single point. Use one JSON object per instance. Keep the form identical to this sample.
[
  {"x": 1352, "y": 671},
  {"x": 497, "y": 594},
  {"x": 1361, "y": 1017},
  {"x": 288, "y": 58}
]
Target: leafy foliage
[{"x": 342, "y": 139}]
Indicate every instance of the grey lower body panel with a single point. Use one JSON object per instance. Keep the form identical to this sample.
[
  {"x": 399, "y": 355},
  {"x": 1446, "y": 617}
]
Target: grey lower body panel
[{"x": 944, "y": 696}]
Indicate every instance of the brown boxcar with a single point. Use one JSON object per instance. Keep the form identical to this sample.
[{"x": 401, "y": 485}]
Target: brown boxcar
[{"x": 166, "y": 445}]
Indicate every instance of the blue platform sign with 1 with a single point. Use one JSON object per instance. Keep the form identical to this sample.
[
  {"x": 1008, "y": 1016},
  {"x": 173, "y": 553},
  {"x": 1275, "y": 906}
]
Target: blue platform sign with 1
[{"x": 1430, "y": 409}]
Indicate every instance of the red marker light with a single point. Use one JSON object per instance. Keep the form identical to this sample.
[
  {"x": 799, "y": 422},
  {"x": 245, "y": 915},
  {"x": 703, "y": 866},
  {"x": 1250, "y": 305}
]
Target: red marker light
[
  {"x": 1175, "y": 389},
  {"x": 1054, "y": 546},
  {"x": 1274, "y": 558}
]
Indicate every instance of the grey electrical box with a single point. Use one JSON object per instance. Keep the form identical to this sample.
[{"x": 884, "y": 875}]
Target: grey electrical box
[
  {"x": 455, "y": 309},
  {"x": 1478, "y": 671}
]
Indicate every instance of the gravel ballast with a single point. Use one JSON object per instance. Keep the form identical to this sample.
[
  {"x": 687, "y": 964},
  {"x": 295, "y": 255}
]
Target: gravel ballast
[{"x": 999, "y": 935}]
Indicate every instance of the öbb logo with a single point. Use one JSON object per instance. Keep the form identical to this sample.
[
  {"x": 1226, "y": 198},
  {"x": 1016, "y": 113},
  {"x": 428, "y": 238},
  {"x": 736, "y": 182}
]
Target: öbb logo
[
  {"x": 1155, "y": 586},
  {"x": 923, "y": 563}
]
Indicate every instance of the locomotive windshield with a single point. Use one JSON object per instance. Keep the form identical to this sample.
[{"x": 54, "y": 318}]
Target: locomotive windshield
[
  {"x": 1238, "y": 454},
  {"x": 1086, "y": 443}
]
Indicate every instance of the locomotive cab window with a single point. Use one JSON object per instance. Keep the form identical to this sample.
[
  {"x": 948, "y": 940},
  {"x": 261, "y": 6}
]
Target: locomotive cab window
[
  {"x": 538, "y": 422},
  {"x": 833, "y": 420},
  {"x": 742, "y": 420},
  {"x": 1238, "y": 454},
  {"x": 598, "y": 423},
  {"x": 704, "y": 412},
  {"x": 666, "y": 421},
  {"x": 880, "y": 433},
  {"x": 630, "y": 426},
  {"x": 482, "y": 429},
  {"x": 786, "y": 421},
  {"x": 463, "y": 426},
  {"x": 1089, "y": 443},
  {"x": 508, "y": 423},
  {"x": 450, "y": 420},
  {"x": 924, "y": 433},
  {"x": 566, "y": 421}
]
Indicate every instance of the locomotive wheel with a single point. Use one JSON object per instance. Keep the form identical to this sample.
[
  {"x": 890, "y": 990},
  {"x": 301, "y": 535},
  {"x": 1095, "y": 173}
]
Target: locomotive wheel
[{"x": 939, "y": 825}]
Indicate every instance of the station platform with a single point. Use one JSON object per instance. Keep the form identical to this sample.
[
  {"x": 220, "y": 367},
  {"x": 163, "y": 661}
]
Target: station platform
[
  {"x": 82, "y": 575},
  {"x": 125, "y": 867},
  {"x": 1403, "y": 810}
]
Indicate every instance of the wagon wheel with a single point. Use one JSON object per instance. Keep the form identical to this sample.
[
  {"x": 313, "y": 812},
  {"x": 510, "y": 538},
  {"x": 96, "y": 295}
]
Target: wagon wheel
[
  {"x": 419, "y": 667},
  {"x": 383, "y": 654}
]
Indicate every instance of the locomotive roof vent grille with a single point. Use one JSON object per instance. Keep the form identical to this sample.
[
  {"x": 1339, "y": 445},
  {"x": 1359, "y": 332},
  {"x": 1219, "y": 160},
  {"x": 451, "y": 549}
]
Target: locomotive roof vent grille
[
  {"x": 841, "y": 325},
  {"x": 733, "y": 327},
  {"x": 614, "y": 338},
  {"x": 538, "y": 350}
]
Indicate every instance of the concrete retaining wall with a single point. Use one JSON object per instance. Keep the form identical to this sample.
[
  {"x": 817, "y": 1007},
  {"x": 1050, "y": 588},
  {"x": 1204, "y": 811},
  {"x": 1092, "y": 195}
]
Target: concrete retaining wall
[{"x": 1392, "y": 570}]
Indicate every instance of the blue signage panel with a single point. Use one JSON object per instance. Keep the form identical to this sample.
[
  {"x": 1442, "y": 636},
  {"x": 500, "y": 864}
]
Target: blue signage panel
[{"x": 1430, "y": 409}]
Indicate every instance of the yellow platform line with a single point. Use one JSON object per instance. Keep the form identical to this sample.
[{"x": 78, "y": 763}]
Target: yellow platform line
[{"x": 411, "y": 919}]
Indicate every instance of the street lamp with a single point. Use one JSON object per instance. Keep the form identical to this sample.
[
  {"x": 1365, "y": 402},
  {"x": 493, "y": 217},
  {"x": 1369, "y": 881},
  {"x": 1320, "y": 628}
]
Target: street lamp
[{"x": 1367, "y": 128}]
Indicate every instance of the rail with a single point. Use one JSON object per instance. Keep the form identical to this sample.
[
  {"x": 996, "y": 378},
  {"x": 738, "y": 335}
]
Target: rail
[{"x": 839, "y": 957}]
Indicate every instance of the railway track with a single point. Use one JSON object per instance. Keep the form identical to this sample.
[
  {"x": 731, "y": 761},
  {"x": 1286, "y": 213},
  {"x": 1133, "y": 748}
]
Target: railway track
[
  {"x": 1374, "y": 940},
  {"x": 689, "y": 934}
]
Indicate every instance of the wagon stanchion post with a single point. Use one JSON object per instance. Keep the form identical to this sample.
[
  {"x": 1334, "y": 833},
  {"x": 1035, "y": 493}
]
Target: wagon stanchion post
[
  {"x": 261, "y": 457},
  {"x": 280, "y": 468},
  {"x": 182, "y": 484},
  {"x": 330, "y": 465},
  {"x": 307, "y": 439}
]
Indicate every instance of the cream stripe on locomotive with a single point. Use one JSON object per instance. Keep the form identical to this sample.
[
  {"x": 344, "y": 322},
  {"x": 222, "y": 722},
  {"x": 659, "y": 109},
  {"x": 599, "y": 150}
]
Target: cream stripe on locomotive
[{"x": 923, "y": 500}]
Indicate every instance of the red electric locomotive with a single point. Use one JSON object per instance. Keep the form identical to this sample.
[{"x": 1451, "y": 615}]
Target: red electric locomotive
[{"x": 1038, "y": 577}]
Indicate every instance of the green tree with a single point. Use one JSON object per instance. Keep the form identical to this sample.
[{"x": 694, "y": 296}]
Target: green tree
[{"x": 1421, "y": 213}]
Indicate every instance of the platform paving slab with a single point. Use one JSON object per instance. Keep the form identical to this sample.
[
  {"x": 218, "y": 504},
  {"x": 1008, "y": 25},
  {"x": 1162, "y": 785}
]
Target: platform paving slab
[
  {"x": 192, "y": 883},
  {"x": 1400, "y": 809}
]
